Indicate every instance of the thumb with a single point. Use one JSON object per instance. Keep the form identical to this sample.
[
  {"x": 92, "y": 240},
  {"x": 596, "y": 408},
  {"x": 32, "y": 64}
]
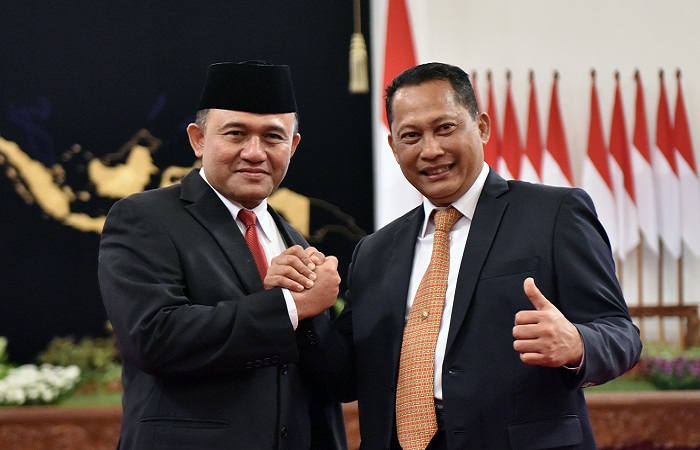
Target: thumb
[
  {"x": 333, "y": 261},
  {"x": 538, "y": 300}
]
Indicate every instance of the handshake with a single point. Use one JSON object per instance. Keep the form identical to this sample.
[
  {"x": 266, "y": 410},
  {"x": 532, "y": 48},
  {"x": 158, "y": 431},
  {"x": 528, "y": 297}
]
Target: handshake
[{"x": 311, "y": 277}]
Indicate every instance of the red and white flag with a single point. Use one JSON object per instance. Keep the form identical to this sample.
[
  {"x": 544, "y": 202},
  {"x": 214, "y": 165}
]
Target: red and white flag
[
  {"x": 687, "y": 175},
  {"x": 666, "y": 178},
  {"x": 532, "y": 159},
  {"x": 393, "y": 195},
  {"x": 644, "y": 190},
  {"x": 512, "y": 147},
  {"x": 556, "y": 168},
  {"x": 623, "y": 183},
  {"x": 596, "y": 172},
  {"x": 492, "y": 149}
]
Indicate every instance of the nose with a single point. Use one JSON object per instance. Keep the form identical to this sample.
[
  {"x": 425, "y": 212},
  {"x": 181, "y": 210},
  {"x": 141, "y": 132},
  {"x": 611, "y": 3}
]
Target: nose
[
  {"x": 431, "y": 148},
  {"x": 254, "y": 149}
]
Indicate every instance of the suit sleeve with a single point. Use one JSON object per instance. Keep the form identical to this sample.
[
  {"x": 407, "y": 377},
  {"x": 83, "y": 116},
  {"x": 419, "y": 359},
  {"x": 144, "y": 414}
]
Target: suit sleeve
[
  {"x": 160, "y": 326},
  {"x": 589, "y": 293},
  {"x": 331, "y": 345}
]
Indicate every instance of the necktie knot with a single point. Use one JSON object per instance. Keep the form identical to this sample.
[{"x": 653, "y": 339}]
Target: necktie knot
[
  {"x": 446, "y": 218},
  {"x": 248, "y": 217}
]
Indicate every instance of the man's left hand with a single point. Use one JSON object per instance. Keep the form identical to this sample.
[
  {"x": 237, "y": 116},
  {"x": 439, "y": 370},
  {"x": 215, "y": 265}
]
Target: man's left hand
[
  {"x": 294, "y": 269},
  {"x": 544, "y": 337}
]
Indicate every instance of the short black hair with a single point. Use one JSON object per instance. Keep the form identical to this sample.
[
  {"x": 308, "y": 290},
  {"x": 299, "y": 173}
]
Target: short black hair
[{"x": 458, "y": 78}]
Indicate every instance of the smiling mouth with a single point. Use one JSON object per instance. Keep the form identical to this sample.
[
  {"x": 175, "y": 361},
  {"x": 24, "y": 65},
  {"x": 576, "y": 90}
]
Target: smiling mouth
[
  {"x": 252, "y": 172},
  {"x": 437, "y": 170}
]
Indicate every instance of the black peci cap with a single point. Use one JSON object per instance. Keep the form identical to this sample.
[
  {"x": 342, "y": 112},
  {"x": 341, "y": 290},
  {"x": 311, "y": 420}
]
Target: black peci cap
[{"x": 250, "y": 86}]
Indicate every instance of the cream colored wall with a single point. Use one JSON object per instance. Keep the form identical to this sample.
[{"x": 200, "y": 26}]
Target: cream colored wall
[{"x": 573, "y": 37}]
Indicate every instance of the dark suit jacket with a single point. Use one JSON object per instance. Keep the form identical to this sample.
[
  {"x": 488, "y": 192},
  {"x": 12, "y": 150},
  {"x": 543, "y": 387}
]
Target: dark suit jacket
[
  {"x": 210, "y": 358},
  {"x": 491, "y": 399}
]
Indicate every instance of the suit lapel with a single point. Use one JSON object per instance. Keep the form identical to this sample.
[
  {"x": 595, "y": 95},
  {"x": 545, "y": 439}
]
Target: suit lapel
[
  {"x": 399, "y": 276},
  {"x": 206, "y": 207},
  {"x": 487, "y": 218}
]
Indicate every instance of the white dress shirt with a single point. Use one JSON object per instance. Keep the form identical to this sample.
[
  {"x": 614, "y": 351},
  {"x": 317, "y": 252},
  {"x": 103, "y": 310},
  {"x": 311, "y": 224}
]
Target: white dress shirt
[
  {"x": 424, "y": 247},
  {"x": 269, "y": 236}
]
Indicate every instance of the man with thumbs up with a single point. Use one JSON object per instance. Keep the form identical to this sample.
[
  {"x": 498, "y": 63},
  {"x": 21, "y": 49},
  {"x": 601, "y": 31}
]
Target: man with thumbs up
[{"x": 477, "y": 334}]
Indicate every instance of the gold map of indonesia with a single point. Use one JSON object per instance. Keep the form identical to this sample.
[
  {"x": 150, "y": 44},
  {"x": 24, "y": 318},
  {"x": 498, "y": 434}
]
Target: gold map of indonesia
[{"x": 46, "y": 187}]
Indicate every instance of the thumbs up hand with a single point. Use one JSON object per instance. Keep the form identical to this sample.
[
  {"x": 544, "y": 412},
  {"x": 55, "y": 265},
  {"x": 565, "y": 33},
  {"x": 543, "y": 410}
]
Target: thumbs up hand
[{"x": 544, "y": 337}]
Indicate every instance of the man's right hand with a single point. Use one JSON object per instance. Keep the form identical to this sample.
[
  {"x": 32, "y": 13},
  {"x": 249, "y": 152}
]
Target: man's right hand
[
  {"x": 324, "y": 292},
  {"x": 293, "y": 269}
]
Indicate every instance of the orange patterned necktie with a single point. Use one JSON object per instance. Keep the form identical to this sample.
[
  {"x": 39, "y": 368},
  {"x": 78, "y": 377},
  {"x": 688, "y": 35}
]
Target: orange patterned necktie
[
  {"x": 415, "y": 403},
  {"x": 249, "y": 219}
]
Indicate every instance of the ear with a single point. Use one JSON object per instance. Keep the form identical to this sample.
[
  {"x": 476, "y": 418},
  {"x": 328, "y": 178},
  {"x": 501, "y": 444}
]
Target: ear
[
  {"x": 295, "y": 142},
  {"x": 196, "y": 135},
  {"x": 484, "y": 124}
]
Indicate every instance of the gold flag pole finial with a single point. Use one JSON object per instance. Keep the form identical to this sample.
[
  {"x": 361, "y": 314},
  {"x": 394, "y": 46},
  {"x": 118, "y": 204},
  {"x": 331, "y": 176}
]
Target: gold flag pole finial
[{"x": 359, "y": 73}]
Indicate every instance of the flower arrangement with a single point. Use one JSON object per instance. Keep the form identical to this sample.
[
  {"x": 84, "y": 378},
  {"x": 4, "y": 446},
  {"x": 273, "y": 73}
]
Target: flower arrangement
[
  {"x": 671, "y": 368},
  {"x": 30, "y": 384},
  {"x": 35, "y": 385},
  {"x": 97, "y": 358}
]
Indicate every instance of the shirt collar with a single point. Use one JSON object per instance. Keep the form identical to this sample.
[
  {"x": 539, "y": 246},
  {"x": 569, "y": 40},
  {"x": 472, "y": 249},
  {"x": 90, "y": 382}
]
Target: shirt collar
[
  {"x": 265, "y": 220},
  {"x": 466, "y": 204}
]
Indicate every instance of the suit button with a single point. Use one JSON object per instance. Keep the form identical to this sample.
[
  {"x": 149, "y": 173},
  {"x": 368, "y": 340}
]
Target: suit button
[
  {"x": 249, "y": 365},
  {"x": 284, "y": 369},
  {"x": 284, "y": 432},
  {"x": 266, "y": 361},
  {"x": 258, "y": 363},
  {"x": 311, "y": 337},
  {"x": 275, "y": 359}
]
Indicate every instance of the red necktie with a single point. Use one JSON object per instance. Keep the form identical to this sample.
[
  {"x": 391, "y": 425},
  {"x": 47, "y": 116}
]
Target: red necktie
[
  {"x": 249, "y": 219},
  {"x": 415, "y": 401}
]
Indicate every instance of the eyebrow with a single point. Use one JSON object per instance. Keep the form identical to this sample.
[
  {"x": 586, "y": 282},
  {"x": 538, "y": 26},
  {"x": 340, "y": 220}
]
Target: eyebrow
[
  {"x": 268, "y": 128},
  {"x": 444, "y": 118},
  {"x": 412, "y": 126},
  {"x": 234, "y": 125}
]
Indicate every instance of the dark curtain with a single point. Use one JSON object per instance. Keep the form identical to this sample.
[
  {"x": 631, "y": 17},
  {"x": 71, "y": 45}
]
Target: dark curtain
[{"x": 87, "y": 80}]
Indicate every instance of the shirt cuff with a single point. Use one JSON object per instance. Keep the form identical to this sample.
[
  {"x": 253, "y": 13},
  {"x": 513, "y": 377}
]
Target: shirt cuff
[
  {"x": 577, "y": 369},
  {"x": 291, "y": 308}
]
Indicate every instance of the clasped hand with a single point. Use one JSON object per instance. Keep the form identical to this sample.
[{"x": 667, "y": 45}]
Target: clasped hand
[
  {"x": 311, "y": 277},
  {"x": 544, "y": 337}
]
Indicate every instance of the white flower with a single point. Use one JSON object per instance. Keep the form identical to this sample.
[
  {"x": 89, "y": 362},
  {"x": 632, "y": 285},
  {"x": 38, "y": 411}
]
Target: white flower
[{"x": 32, "y": 384}]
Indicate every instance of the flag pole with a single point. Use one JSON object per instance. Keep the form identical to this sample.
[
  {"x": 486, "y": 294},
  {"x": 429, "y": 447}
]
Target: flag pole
[
  {"x": 662, "y": 334},
  {"x": 681, "y": 333},
  {"x": 640, "y": 287},
  {"x": 640, "y": 265},
  {"x": 619, "y": 263},
  {"x": 680, "y": 259}
]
